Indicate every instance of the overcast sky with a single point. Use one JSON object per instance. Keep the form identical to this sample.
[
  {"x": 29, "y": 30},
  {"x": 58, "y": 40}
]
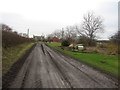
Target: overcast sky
[{"x": 45, "y": 16}]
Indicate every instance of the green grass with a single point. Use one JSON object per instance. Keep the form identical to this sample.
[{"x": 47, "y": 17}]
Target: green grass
[
  {"x": 12, "y": 54},
  {"x": 106, "y": 63}
]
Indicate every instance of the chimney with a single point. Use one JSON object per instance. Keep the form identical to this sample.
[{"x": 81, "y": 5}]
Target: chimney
[{"x": 28, "y": 33}]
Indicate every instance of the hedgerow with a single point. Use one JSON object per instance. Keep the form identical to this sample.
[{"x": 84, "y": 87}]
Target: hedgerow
[{"x": 10, "y": 39}]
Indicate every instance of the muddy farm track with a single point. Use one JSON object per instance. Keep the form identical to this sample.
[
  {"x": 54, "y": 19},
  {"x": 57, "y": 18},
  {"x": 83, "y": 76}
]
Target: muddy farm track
[{"x": 45, "y": 68}]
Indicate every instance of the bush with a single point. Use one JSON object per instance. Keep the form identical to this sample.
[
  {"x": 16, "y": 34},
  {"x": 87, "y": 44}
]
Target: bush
[
  {"x": 86, "y": 41},
  {"x": 102, "y": 45},
  {"x": 65, "y": 43},
  {"x": 112, "y": 49}
]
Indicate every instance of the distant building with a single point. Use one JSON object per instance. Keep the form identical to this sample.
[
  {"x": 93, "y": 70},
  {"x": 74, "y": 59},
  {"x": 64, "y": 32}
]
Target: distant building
[
  {"x": 23, "y": 35},
  {"x": 55, "y": 39},
  {"x": 39, "y": 38},
  {"x": 102, "y": 41}
]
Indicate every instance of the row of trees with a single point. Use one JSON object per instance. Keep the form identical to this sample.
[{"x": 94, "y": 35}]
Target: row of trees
[{"x": 85, "y": 33}]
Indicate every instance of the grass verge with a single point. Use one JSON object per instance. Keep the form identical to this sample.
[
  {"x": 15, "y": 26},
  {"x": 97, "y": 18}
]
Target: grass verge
[
  {"x": 103, "y": 62},
  {"x": 12, "y": 54}
]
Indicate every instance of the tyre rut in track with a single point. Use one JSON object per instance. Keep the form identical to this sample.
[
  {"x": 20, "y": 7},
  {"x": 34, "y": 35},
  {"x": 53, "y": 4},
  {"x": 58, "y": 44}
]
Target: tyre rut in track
[
  {"x": 62, "y": 73},
  {"x": 57, "y": 68}
]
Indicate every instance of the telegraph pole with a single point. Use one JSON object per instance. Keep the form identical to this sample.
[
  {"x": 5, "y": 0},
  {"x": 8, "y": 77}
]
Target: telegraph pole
[{"x": 62, "y": 33}]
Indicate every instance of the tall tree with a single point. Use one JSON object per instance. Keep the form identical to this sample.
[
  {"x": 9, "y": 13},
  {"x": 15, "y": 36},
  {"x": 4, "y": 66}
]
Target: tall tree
[
  {"x": 91, "y": 25},
  {"x": 70, "y": 33},
  {"x": 58, "y": 33}
]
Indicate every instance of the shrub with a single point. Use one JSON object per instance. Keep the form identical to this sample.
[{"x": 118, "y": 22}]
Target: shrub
[
  {"x": 112, "y": 48},
  {"x": 65, "y": 43},
  {"x": 86, "y": 41}
]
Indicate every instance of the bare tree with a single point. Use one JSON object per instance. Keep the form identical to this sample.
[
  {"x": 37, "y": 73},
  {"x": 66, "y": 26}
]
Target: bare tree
[
  {"x": 70, "y": 32},
  {"x": 78, "y": 30},
  {"x": 91, "y": 25},
  {"x": 58, "y": 33}
]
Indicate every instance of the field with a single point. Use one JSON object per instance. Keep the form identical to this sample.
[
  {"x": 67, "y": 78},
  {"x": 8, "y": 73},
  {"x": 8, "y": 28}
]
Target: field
[{"x": 106, "y": 63}]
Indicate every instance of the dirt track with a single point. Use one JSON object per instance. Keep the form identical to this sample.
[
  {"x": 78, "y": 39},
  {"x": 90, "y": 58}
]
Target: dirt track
[{"x": 45, "y": 68}]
